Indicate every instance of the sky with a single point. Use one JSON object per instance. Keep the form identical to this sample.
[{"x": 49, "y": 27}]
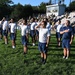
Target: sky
[{"x": 35, "y": 2}]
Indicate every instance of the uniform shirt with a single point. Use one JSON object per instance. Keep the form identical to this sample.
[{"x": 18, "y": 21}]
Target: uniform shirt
[
  {"x": 68, "y": 34},
  {"x": 12, "y": 27},
  {"x": 48, "y": 26},
  {"x": 5, "y": 25},
  {"x": 43, "y": 34},
  {"x": 58, "y": 28},
  {"x": 24, "y": 29},
  {"x": 32, "y": 27}
]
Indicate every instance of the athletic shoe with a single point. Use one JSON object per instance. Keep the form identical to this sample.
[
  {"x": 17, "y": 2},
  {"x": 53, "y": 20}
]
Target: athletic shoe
[
  {"x": 6, "y": 43},
  {"x": 13, "y": 47},
  {"x": 64, "y": 57},
  {"x": 44, "y": 61},
  {"x": 33, "y": 44}
]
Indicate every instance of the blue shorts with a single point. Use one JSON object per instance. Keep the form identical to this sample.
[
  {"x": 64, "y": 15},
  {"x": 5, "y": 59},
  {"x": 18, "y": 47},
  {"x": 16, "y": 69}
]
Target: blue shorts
[
  {"x": 12, "y": 36},
  {"x": 24, "y": 40},
  {"x": 32, "y": 33},
  {"x": 5, "y": 33},
  {"x": 58, "y": 35},
  {"x": 42, "y": 47},
  {"x": 66, "y": 43},
  {"x": 37, "y": 33},
  {"x": 1, "y": 31},
  {"x": 8, "y": 29}
]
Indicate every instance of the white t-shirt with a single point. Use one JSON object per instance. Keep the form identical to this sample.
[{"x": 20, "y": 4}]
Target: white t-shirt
[
  {"x": 5, "y": 25},
  {"x": 12, "y": 27},
  {"x": 24, "y": 29},
  {"x": 58, "y": 28},
  {"x": 43, "y": 34},
  {"x": 32, "y": 27}
]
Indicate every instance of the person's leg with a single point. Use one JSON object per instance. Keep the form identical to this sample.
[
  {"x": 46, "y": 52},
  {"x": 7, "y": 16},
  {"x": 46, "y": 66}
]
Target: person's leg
[
  {"x": 42, "y": 57},
  {"x": 45, "y": 57},
  {"x": 5, "y": 39},
  {"x": 13, "y": 43},
  {"x": 57, "y": 38},
  {"x": 68, "y": 52},
  {"x": 33, "y": 40},
  {"x": 67, "y": 48},
  {"x": 65, "y": 53},
  {"x": 58, "y": 41},
  {"x": 25, "y": 49}
]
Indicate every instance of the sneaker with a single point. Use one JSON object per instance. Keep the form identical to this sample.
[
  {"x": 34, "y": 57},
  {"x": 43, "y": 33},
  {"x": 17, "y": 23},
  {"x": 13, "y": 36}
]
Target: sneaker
[
  {"x": 64, "y": 57},
  {"x": 13, "y": 47},
  {"x": 33, "y": 44},
  {"x": 6, "y": 43},
  {"x": 44, "y": 61},
  {"x": 24, "y": 53}
]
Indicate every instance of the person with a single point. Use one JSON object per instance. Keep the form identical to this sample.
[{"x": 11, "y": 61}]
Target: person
[
  {"x": 32, "y": 31},
  {"x": 67, "y": 37},
  {"x": 12, "y": 26},
  {"x": 0, "y": 30},
  {"x": 24, "y": 31},
  {"x": 43, "y": 40},
  {"x": 48, "y": 26},
  {"x": 37, "y": 33},
  {"x": 58, "y": 35},
  {"x": 73, "y": 26},
  {"x": 5, "y": 29}
]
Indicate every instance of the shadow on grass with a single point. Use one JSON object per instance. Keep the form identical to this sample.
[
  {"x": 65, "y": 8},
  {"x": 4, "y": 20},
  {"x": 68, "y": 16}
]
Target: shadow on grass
[
  {"x": 58, "y": 55},
  {"x": 55, "y": 49},
  {"x": 73, "y": 46}
]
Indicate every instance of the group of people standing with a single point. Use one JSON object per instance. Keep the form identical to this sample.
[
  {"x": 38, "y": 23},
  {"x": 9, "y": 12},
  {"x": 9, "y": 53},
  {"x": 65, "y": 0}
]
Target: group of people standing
[{"x": 38, "y": 30}]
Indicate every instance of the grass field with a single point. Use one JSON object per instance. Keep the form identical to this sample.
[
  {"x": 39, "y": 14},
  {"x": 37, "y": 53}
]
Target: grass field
[{"x": 12, "y": 60}]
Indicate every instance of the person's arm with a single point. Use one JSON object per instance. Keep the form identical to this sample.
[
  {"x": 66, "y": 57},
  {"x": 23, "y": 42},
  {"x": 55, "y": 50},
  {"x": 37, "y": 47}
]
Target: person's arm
[
  {"x": 48, "y": 38},
  {"x": 62, "y": 32},
  {"x": 72, "y": 35},
  {"x": 38, "y": 26},
  {"x": 47, "y": 41},
  {"x": 73, "y": 25},
  {"x": 71, "y": 39}
]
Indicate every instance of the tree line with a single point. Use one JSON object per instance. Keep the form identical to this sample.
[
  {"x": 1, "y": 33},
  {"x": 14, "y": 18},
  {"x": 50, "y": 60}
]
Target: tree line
[{"x": 17, "y": 11}]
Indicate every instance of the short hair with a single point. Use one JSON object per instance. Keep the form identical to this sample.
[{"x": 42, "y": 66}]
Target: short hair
[
  {"x": 59, "y": 21},
  {"x": 68, "y": 21},
  {"x": 45, "y": 23}
]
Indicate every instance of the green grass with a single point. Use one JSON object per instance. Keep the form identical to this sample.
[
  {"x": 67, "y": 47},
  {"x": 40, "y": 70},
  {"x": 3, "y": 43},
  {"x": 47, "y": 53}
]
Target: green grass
[{"x": 12, "y": 60}]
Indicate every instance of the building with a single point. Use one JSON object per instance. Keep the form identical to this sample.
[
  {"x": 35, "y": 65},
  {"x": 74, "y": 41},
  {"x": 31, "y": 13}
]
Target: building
[{"x": 56, "y": 9}]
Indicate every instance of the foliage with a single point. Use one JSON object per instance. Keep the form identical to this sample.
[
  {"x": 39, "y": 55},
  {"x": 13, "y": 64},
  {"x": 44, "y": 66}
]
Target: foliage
[
  {"x": 5, "y": 2},
  {"x": 12, "y": 60},
  {"x": 17, "y": 12},
  {"x": 72, "y": 6}
]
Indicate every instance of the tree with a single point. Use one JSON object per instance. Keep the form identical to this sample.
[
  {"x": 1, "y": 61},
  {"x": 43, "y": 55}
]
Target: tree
[
  {"x": 28, "y": 11},
  {"x": 42, "y": 7},
  {"x": 5, "y": 8},
  {"x": 17, "y": 11},
  {"x": 72, "y": 6},
  {"x": 5, "y": 2}
]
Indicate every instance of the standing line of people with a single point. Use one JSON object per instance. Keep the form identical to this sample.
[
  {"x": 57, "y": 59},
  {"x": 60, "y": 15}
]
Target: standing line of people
[{"x": 38, "y": 30}]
